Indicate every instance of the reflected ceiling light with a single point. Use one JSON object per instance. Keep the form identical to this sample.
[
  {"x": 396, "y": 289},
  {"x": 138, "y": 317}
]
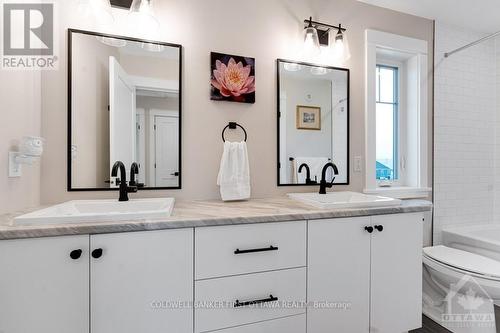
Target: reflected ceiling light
[
  {"x": 116, "y": 42},
  {"x": 291, "y": 67},
  {"x": 311, "y": 41},
  {"x": 319, "y": 70},
  {"x": 152, "y": 47},
  {"x": 142, "y": 17}
]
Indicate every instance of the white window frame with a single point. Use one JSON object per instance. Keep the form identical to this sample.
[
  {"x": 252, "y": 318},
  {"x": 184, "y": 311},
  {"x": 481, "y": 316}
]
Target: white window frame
[
  {"x": 401, "y": 151},
  {"x": 414, "y": 129}
]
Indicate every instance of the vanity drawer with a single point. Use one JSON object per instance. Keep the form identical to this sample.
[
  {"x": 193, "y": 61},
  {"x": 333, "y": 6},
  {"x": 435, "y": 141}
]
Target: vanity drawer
[
  {"x": 243, "y": 249},
  {"x": 294, "y": 324},
  {"x": 224, "y": 302}
]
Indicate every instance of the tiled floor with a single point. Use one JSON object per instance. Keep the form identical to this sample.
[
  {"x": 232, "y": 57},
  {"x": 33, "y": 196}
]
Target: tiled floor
[{"x": 430, "y": 326}]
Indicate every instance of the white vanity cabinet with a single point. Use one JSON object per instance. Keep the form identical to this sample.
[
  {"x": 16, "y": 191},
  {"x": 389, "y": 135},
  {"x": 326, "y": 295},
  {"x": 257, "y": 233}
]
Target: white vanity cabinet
[
  {"x": 247, "y": 274},
  {"x": 142, "y": 282},
  {"x": 139, "y": 282},
  {"x": 44, "y": 285},
  {"x": 372, "y": 266}
]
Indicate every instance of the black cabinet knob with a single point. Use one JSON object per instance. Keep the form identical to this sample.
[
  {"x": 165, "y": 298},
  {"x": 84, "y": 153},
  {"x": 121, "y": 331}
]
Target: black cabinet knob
[
  {"x": 369, "y": 229},
  {"x": 97, "y": 253},
  {"x": 380, "y": 228},
  {"x": 76, "y": 254}
]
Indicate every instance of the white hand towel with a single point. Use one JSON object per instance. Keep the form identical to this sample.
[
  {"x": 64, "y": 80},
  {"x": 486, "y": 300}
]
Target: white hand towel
[{"x": 234, "y": 172}]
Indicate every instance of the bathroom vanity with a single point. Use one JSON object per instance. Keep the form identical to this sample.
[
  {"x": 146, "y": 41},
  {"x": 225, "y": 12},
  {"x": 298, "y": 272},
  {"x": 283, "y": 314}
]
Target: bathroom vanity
[{"x": 265, "y": 266}]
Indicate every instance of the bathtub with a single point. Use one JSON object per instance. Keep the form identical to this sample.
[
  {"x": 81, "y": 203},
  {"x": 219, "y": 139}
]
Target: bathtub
[{"x": 480, "y": 239}]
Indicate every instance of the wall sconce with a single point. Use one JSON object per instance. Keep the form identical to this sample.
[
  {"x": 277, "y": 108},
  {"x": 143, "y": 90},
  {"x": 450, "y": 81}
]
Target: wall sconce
[
  {"x": 325, "y": 41},
  {"x": 141, "y": 17},
  {"x": 30, "y": 150}
]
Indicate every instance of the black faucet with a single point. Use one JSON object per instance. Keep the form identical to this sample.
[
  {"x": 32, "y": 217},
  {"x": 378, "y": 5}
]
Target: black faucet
[
  {"x": 308, "y": 174},
  {"x": 323, "y": 185},
  {"x": 134, "y": 170},
  {"x": 122, "y": 181}
]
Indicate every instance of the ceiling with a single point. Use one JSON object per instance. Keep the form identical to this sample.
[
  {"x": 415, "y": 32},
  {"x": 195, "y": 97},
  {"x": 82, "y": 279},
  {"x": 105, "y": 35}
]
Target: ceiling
[{"x": 479, "y": 15}]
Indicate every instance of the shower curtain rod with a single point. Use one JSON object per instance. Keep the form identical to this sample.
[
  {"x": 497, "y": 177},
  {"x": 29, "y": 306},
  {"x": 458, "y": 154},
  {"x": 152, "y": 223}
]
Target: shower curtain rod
[{"x": 447, "y": 54}]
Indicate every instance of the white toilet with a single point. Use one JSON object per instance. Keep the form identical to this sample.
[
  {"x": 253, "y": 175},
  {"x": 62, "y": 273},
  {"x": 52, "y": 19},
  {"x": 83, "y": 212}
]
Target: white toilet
[{"x": 459, "y": 289}]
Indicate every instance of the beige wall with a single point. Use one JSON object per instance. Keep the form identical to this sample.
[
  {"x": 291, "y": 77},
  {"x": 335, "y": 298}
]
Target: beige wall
[
  {"x": 262, "y": 29},
  {"x": 21, "y": 110}
]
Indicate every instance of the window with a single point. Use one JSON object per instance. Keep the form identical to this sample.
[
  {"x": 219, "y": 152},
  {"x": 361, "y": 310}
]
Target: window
[
  {"x": 387, "y": 124},
  {"x": 396, "y": 116}
]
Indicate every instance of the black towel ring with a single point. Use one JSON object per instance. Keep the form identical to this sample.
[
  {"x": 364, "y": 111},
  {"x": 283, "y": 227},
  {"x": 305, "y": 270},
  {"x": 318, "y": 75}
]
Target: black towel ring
[{"x": 233, "y": 125}]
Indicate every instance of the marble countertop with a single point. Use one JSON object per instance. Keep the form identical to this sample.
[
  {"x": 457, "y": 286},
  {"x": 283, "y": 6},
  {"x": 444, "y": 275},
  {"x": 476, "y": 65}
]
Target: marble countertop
[{"x": 188, "y": 214}]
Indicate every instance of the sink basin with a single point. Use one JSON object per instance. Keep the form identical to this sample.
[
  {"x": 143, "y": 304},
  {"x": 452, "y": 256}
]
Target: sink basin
[
  {"x": 334, "y": 200},
  {"x": 80, "y": 211}
]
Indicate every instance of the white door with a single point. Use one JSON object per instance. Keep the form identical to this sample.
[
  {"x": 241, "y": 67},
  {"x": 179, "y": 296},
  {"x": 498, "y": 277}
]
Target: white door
[
  {"x": 166, "y": 151},
  {"x": 396, "y": 274},
  {"x": 122, "y": 120},
  {"x": 142, "y": 282},
  {"x": 338, "y": 272},
  {"x": 42, "y": 288}
]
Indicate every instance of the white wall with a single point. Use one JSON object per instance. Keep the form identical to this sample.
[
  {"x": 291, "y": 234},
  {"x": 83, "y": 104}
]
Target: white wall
[
  {"x": 465, "y": 131},
  {"x": 20, "y": 100},
  {"x": 264, "y": 29}
]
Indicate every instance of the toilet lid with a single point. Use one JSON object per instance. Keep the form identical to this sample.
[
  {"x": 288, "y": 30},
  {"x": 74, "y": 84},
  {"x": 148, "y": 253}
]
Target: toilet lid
[{"x": 464, "y": 260}]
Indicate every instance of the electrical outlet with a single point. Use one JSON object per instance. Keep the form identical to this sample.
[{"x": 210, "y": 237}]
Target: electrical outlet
[
  {"x": 357, "y": 164},
  {"x": 14, "y": 167}
]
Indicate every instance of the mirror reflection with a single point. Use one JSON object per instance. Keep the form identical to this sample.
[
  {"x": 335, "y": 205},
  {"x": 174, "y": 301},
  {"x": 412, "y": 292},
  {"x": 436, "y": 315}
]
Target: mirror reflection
[
  {"x": 125, "y": 106},
  {"x": 313, "y": 123}
]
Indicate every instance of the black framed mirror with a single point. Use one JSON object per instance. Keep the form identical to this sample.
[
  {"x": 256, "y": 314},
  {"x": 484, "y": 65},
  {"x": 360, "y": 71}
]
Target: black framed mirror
[
  {"x": 313, "y": 123},
  {"x": 124, "y": 104}
]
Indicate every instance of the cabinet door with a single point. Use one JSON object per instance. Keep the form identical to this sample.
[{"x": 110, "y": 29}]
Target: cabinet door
[
  {"x": 42, "y": 288},
  {"x": 142, "y": 282},
  {"x": 338, "y": 272},
  {"x": 396, "y": 273}
]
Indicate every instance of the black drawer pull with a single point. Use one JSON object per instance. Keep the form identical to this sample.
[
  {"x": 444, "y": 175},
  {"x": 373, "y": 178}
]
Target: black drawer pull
[
  {"x": 76, "y": 254},
  {"x": 271, "y": 298},
  {"x": 97, "y": 253},
  {"x": 265, "y": 249}
]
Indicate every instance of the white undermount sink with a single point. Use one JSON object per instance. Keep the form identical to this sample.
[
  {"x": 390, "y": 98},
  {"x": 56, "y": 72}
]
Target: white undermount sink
[
  {"x": 81, "y": 211},
  {"x": 334, "y": 200}
]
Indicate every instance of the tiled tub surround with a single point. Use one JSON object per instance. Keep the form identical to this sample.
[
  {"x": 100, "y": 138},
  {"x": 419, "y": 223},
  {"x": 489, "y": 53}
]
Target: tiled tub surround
[
  {"x": 188, "y": 214},
  {"x": 466, "y": 133},
  {"x": 359, "y": 270}
]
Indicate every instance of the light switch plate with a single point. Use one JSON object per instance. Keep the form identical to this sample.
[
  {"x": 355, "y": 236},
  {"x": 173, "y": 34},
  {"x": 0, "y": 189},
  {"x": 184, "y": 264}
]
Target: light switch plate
[
  {"x": 14, "y": 167},
  {"x": 357, "y": 164}
]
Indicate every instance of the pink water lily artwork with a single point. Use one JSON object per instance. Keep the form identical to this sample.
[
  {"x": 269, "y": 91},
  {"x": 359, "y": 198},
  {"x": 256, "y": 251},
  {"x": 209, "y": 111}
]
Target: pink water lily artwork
[{"x": 233, "y": 78}]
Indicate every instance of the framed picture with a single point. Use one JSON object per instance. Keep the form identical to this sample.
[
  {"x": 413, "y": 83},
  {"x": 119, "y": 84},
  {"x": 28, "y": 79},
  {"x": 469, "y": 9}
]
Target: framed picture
[
  {"x": 308, "y": 117},
  {"x": 232, "y": 78}
]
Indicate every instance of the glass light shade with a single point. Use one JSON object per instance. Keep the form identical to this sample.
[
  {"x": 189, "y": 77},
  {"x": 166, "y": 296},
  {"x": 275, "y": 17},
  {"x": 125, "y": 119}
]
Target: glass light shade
[
  {"x": 311, "y": 43},
  {"x": 142, "y": 19},
  {"x": 97, "y": 10},
  {"x": 340, "y": 45}
]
